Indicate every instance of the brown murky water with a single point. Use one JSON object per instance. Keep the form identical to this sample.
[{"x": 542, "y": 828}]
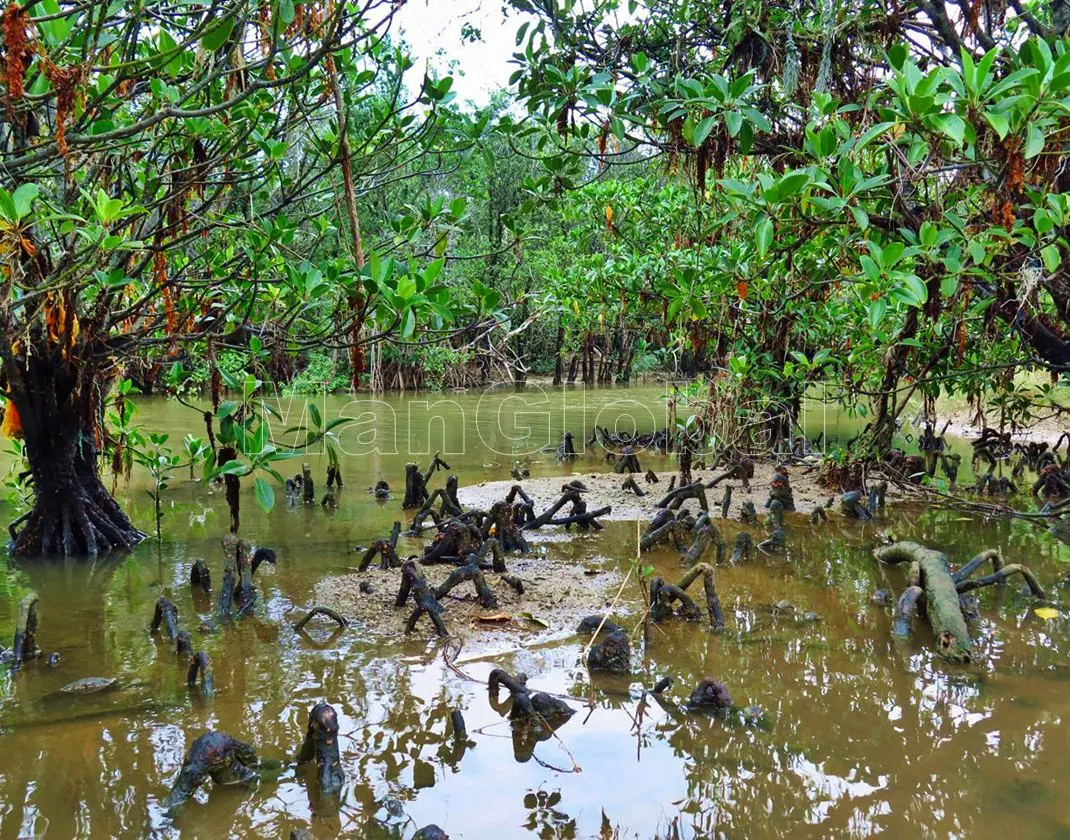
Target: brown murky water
[{"x": 862, "y": 735}]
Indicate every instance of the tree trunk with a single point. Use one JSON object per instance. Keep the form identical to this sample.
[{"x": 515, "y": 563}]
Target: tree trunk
[
  {"x": 73, "y": 514},
  {"x": 557, "y": 356}
]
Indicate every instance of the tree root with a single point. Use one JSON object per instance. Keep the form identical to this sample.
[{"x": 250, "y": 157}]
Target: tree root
[
  {"x": 414, "y": 581},
  {"x": 663, "y": 596},
  {"x": 324, "y": 611},
  {"x": 215, "y": 755},
  {"x": 628, "y": 463},
  {"x": 929, "y": 570},
  {"x": 321, "y": 745},
  {"x": 676, "y": 497},
  {"x": 166, "y": 614},
  {"x": 386, "y": 549},
  {"x": 742, "y": 471},
  {"x": 705, "y": 533},
  {"x": 612, "y": 654},
  {"x": 199, "y": 663},
  {"x": 470, "y": 572},
  {"x": 200, "y": 577},
  {"x": 24, "y": 647}
]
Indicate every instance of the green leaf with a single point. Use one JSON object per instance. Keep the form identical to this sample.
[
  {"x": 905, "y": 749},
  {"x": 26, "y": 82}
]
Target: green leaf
[
  {"x": 872, "y": 133},
  {"x": 916, "y": 293},
  {"x": 408, "y": 323},
  {"x": 227, "y": 408},
  {"x": 703, "y": 129},
  {"x": 1034, "y": 142},
  {"x": 23, "y": 198},
  {"x": 265, "y": 494},
  {"x": 999, "y": 123},
  {"x": 951, "y": 125},
  {"x": 861, "y": 218},
  {"x": 215, "y": 37},
  {"x": 734, "y": 121},
  {"x": 870, "y": 267},
  {"x": 876, "y": 308},
  {"x": 314, "y": 415},
  {"x": 1051, "y": 257},
  {"x": 792, "y": 183},
  {"x": 763, "y": 236}
]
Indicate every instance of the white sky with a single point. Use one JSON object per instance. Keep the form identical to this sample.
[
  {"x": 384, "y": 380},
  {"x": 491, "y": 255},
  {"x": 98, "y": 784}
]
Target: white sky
[{"x": 430, "y": 26}]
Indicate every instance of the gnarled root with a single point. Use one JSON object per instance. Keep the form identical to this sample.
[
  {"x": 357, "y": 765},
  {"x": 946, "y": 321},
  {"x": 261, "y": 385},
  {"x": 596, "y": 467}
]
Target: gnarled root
[
  {"x": 469, "y": 572},
  {"x": 501, "y": 523},
  {"x": 742, "y": 549},
  {"x": 24, "y": 647},
  {"x": 386, "y": 549},
  {"x": 664, "y": 595},
  {"x": 1000, "y": 575},
  {"x": 415, "y": 487},
  {"x": 709, "y": 696},
  {"x": 930, "y": 570},
  {"x": 906, "y": 608},
  {"x": 200, "y": 663},
  {"x": 216, "y": 756},
  {"x": 628, "y": 463},
  {"x": 166, "y": 614},
  {"x": 200, "y": 577},
  {"x": 579, "y": 515},
  {"x": 705, "y": 533},
  {"x": 321, "y": 745},
  {"x": 526, "y": 704},
  {"x": 613, "y": 654},
  {"x": 676, "y": 497},
  {"x": 662, "y": 528},
  {"x": 414, "y": 581},
  {"x": 743, "y": 471},
  {"x": 324, "y": 611}
]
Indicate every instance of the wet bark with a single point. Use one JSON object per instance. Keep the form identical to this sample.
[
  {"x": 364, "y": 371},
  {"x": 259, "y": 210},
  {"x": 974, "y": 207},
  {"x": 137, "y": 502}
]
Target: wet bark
[
  {"x": 24, "y": 647},
  {"x": 930, "y": 570},
  {"x": 321, "y": 745},
  {"x": 73, "y": 514}
]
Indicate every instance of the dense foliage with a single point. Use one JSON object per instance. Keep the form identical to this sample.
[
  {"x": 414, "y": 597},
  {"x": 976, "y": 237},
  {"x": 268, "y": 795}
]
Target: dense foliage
[{"x": 861, "y": 197}]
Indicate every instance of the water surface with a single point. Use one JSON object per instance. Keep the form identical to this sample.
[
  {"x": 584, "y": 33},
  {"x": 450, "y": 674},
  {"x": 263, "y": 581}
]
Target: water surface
[{"x": 864, "y": 735}]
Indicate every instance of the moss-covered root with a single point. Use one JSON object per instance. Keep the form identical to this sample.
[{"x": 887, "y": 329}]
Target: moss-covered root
[{"x": 941, "y": 597}]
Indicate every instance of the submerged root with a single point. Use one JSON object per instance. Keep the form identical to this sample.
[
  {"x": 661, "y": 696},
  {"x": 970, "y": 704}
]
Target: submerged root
[
  {"x": 321, "y": 745},
  {"x": 165, "y": 614},
  {"x": 216, "y": 756},
  {"x": 201, "y": 664}
]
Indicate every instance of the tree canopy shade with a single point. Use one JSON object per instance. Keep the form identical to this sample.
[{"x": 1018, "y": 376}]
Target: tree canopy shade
[
  {"x": 180, "y": 177},
  {"x": 897, "y": 169}
]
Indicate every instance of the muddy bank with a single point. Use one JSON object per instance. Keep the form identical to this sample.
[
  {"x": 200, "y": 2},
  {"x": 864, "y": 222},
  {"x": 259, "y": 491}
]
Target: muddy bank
[
  {"x": 565, "y": 578},
  {"x": 1046, "y": 430},
  {"x": 605, "y": 489}
]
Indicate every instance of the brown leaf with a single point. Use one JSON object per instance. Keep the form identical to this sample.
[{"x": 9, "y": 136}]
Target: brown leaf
[{"x": 496, "y": 617}]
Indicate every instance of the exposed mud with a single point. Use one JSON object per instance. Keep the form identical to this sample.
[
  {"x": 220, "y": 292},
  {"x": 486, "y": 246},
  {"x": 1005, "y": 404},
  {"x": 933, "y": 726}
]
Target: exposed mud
[
  {"x": 1046, "y": 430},
  {"x": 605, "y": 489},
  {"x": 559, "y": 590}
]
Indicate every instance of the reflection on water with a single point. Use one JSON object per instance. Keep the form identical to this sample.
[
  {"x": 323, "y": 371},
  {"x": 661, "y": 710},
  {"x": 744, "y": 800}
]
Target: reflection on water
[{"x": 863, "y": 734}]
